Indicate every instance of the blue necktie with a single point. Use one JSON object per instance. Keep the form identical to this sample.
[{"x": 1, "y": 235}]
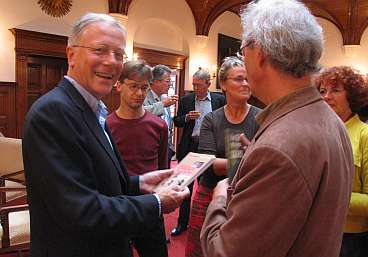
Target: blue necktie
[{"x": 102, "y": 115}]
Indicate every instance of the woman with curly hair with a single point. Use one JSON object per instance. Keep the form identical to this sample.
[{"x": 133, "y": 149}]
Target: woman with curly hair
[{"x": 346, "y": 92}]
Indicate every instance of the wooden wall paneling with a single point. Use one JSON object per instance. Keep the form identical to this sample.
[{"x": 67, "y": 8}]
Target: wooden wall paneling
[
  {"x": 40, "y": 64},
  {"x": 37, "y": 43},
  {"x": 7, "y": 109},
  {"x": 20, "y": 92},
  {"x": 172, "y": 60}
]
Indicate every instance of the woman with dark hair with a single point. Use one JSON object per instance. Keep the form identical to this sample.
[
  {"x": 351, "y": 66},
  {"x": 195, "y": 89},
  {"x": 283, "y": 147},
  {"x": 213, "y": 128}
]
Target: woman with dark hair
[
  {"x": 235, "y": 118},
  {"x": 346, "y": 92}
]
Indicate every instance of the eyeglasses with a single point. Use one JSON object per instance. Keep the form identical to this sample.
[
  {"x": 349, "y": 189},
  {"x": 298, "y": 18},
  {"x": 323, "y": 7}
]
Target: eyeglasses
[
  {"x": 134, "y": 86},
  {"x": 333, "y": 91},
  {"x": 167, "y": 80},
  {"x": 119, "y": 54},
  {"x": 199, "y": 85},
  {"x": 239, "y": 80},
  {"x": 248, "y": 43}
]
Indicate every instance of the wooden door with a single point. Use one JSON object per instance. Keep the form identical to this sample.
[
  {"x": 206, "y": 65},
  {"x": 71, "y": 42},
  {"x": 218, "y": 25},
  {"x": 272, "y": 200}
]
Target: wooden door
[
  {"x": 43, "y": 74},
  {"x": 7, "y": 109},
  {"x": 36, "y": 76}
]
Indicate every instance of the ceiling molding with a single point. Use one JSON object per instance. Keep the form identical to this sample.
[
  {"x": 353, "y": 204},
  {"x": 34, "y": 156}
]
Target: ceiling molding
[
  {"x": 219, "y": 9},
  {"x": 350, "y": 33},
  {"x": 119, "y": 6},
  {"x": 349, "y": 16}
]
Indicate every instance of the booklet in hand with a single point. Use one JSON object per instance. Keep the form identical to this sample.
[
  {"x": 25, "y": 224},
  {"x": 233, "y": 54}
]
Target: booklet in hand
[{"x": 193, "y": 165}]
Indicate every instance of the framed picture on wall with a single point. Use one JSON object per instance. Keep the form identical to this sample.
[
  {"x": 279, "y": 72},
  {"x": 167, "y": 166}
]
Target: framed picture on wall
[{"x": 227, "y": 46}]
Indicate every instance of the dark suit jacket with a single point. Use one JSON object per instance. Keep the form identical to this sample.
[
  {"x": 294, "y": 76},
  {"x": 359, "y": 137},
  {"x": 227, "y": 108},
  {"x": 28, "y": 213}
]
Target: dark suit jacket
[
  {"x": 187, "y": 104},
  {"x": 81, "y": 199}
]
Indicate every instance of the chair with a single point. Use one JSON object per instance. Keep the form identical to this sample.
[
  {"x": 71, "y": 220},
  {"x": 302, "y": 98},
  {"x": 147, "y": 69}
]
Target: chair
[{"x": 14, "y": 214}]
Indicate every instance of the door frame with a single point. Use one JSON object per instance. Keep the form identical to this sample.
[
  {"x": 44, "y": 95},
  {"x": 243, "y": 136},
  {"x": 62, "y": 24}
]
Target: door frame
[{"x": 173, "y": 61}]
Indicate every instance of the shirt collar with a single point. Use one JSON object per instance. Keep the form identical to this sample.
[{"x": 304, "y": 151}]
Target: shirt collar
[
  {"x": 91, "y": 100},
  {"x": 207, "y": 98},
  {"x": 155, "y": 96},
  {"x": 350, "y": 122}
]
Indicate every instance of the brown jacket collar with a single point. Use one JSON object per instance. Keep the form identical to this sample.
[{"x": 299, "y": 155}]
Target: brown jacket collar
[{"x": 286, "y": 104}]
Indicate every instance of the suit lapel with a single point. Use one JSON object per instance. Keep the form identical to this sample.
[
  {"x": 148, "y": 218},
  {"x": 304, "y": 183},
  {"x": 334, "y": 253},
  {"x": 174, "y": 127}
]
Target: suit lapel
[
  {"x": 213, "y": 102},
  {"x": 191, "y": 104},
  {"x": 92, "y": 123},
  {"x": 96, "y": 129}
]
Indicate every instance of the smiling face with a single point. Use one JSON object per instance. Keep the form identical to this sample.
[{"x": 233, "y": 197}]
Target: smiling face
[
  {"x": 236, "y": 85},
  {"x": 95, "y": 72}
]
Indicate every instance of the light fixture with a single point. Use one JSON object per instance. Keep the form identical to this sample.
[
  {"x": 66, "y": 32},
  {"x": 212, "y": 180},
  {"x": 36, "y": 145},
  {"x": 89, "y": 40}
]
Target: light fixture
[
  {"x": 55, "y": 8},
  {"x": 121, "y": 18},
  {"x": 201, "y": 41},
  {"x": 135, "y": 56},
  {"x": 351, "y": 51},
  {"x": 214, "y": 71}
]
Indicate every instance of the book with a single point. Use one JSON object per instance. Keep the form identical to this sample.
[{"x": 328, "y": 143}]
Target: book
[
  {"x": 192, "y": 166},
  {"x": 233, "y": 151}
]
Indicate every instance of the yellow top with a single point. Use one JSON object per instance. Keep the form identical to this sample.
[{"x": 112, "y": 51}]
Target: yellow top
[{"x": 357, "y": 220}]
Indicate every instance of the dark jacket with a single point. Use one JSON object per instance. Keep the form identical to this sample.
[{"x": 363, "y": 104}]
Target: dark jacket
[
  {"x": 187, "y": 104},
  {"x": 80, "y": 195}
]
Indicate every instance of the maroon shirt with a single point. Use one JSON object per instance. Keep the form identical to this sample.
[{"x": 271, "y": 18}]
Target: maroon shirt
[{"x": 142, "y": 142}]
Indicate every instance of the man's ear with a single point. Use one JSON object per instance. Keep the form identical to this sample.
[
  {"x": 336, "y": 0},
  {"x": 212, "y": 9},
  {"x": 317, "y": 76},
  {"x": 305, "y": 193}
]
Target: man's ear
[
  {"x": 70, "y": 54},
  {"x": 261, "y": 57},
  {"x": 118, "y": 86}
]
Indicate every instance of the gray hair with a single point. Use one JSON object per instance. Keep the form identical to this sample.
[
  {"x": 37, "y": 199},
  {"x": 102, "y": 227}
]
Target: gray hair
[
  {"x": 229, "y": 63},
  {"x": 202, "y": 74},
  {"x": 287, "y": 32},
  {"x": 136, "y": 69},
  {"x": 87, "y": 19},
  {"x": 159, "y": 71}
]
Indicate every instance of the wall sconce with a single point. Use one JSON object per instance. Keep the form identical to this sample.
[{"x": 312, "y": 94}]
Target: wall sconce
[
  {"x": 214, "y": 71},
  {"x": 121, "y": 18},
  {"x": 135, "y": 57},
  {"x": 351, "y": 51},
  {"x": 201, "y": 41}
]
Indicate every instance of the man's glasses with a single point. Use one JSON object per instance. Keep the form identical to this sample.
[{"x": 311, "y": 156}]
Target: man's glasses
[
  {"x": 134, "y": 86},
  {"x": 199, "y": 85},
  {"x": 239, "y": 80},
  {"x": 119, "y": 54},
  {"x": 167, "y": 80},
  {"x": 248, "y": 43}
]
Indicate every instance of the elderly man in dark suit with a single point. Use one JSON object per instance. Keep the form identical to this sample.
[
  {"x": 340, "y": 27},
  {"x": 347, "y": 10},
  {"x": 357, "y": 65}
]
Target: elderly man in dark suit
[
  {"x": 82, "y": 201},
  {"x": 191, "y": 111}
]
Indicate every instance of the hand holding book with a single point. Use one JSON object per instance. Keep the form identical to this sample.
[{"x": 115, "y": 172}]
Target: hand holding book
[
  {"x": 193, "y": 165},
  {"x": 170, "y": 197}
]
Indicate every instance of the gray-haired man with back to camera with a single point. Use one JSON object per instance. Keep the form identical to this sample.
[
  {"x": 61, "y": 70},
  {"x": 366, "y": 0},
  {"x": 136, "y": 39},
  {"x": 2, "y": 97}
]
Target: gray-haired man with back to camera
[{"x": 290, "y": 195}]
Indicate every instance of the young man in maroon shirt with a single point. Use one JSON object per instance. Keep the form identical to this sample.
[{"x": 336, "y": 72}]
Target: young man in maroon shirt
[{"x": 142, "y": 140}]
